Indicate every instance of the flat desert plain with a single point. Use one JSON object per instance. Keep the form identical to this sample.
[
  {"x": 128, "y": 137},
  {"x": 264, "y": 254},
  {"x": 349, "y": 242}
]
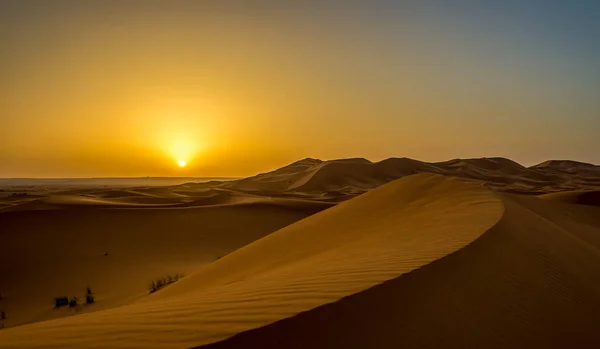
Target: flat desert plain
[{"x": 349, "y": 253}]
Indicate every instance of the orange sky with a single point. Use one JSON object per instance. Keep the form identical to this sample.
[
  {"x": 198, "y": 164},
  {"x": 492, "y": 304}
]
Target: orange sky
[{"x": 130, "y": 88}]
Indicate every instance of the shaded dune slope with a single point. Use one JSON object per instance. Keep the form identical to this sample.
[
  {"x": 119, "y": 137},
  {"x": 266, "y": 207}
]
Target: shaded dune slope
[
  {"x": 529, "y": 282},
  {"x": 46, "y": 254},
  {"x": 578, "y": 197},
  {"x": 345, "y": 250}
]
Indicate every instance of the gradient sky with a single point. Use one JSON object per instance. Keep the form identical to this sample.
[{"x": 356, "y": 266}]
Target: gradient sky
[{"x": 127, "y": 88}]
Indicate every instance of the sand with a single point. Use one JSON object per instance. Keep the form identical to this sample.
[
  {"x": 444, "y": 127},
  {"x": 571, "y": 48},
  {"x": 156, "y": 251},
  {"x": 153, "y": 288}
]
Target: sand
[
  {"x": 529, "y": 282},
  {"x": 351, "y": 177},
  {"x": 580, "y": 197},
  {"x": 318, "y": 254},
  {"x": 50, "y": 253}
]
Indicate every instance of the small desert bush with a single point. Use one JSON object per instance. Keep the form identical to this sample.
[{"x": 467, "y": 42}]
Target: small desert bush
[
  {"x": 159, "y": 283},
  {"x": 73, "y": 302},
  {"x": 61, "y": 301},
  {"x": 89, "y": 296}
]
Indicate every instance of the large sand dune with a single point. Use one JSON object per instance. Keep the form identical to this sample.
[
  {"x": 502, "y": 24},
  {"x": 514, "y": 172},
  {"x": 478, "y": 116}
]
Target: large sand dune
[
  {"x": 341, "y": 251},
  {"x": 445, "y": 256},
  {"x": 528, "y": 282}
]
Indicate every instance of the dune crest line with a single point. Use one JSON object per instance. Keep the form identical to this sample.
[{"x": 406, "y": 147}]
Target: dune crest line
[
  {"x": 338, "y": 252},
  {"x": 528, "y": 282}
]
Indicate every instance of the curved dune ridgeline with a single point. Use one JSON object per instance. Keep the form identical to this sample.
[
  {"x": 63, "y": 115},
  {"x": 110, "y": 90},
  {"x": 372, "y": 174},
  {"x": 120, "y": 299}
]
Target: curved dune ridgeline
[
  {"x": 317, "y": 263},
  {"x": 529, "y": 282}
]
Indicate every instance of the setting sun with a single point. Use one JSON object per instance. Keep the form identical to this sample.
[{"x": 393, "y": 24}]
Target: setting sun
[{"x": 182, "y": 151}]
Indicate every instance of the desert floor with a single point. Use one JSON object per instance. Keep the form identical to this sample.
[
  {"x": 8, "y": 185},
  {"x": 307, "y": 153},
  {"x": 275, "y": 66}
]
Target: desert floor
[{"x": 479, "y": 253}]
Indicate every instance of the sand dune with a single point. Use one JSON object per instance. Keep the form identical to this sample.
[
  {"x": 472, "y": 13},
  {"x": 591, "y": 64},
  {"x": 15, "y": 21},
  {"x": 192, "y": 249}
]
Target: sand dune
[
  {"x": 341, "y": 251},
  {"x": 311, "y": 175},
  {"x": 207, "y": 197},
  {"x": 316, "y": 180},
  {"x": 566, "y": 165},
  {"x": 318, "y": 254},
  {"x": 580, "y": 197},
  {"x": 45, "y": 254},
  {"x": 489, "y": 164},
  {"x": 359, "y": 175},
  {"x": 528, "y": 282}
]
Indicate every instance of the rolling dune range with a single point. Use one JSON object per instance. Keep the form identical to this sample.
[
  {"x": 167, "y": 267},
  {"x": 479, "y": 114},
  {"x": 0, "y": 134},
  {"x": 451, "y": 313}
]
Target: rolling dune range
[
  {"x": 464, "y": 253},
  {"x": 353, "y": 176}
]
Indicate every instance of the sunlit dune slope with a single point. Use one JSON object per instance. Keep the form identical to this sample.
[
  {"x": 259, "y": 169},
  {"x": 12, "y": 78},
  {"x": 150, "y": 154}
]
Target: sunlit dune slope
[
  {"x": 51, "y": 253},
  {"x": 345, "y": 250},
  {"x": 531, "y": 281}
]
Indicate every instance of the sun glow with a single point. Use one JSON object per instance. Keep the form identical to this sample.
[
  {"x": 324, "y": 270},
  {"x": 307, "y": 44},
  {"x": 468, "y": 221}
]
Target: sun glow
[{"x": 183, "y": 151}]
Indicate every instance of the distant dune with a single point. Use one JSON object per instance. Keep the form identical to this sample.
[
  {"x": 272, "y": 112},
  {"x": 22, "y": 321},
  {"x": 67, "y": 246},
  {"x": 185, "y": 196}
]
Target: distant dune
[
  {"x": 352, "y": 176},
  {"x": 318, "y": 254},
  {"x": 115, "y": 182},
  {"x": 307, "y": 179},
  {"x": 566, "y": 165}
]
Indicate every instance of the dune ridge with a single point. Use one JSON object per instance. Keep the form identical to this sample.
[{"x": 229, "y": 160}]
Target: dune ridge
[
  {"x": 347, "y": 249},
  {"x": 330, "y": 181},
  {"x": 528, "y": 282},
  {"x": 340, "y": 253},
  {"x": 354, "y": 176}
]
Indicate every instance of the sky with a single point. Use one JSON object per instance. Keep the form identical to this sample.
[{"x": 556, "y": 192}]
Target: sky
[{"x": 233, "y": 88}]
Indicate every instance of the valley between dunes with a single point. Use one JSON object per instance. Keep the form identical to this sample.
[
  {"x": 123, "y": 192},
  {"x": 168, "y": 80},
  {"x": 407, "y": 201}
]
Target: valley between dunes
[{"x": 335, "y": 254}]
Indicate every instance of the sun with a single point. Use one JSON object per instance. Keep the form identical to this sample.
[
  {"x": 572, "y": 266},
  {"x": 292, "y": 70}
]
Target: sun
[{"x": 182, "y": 152}]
